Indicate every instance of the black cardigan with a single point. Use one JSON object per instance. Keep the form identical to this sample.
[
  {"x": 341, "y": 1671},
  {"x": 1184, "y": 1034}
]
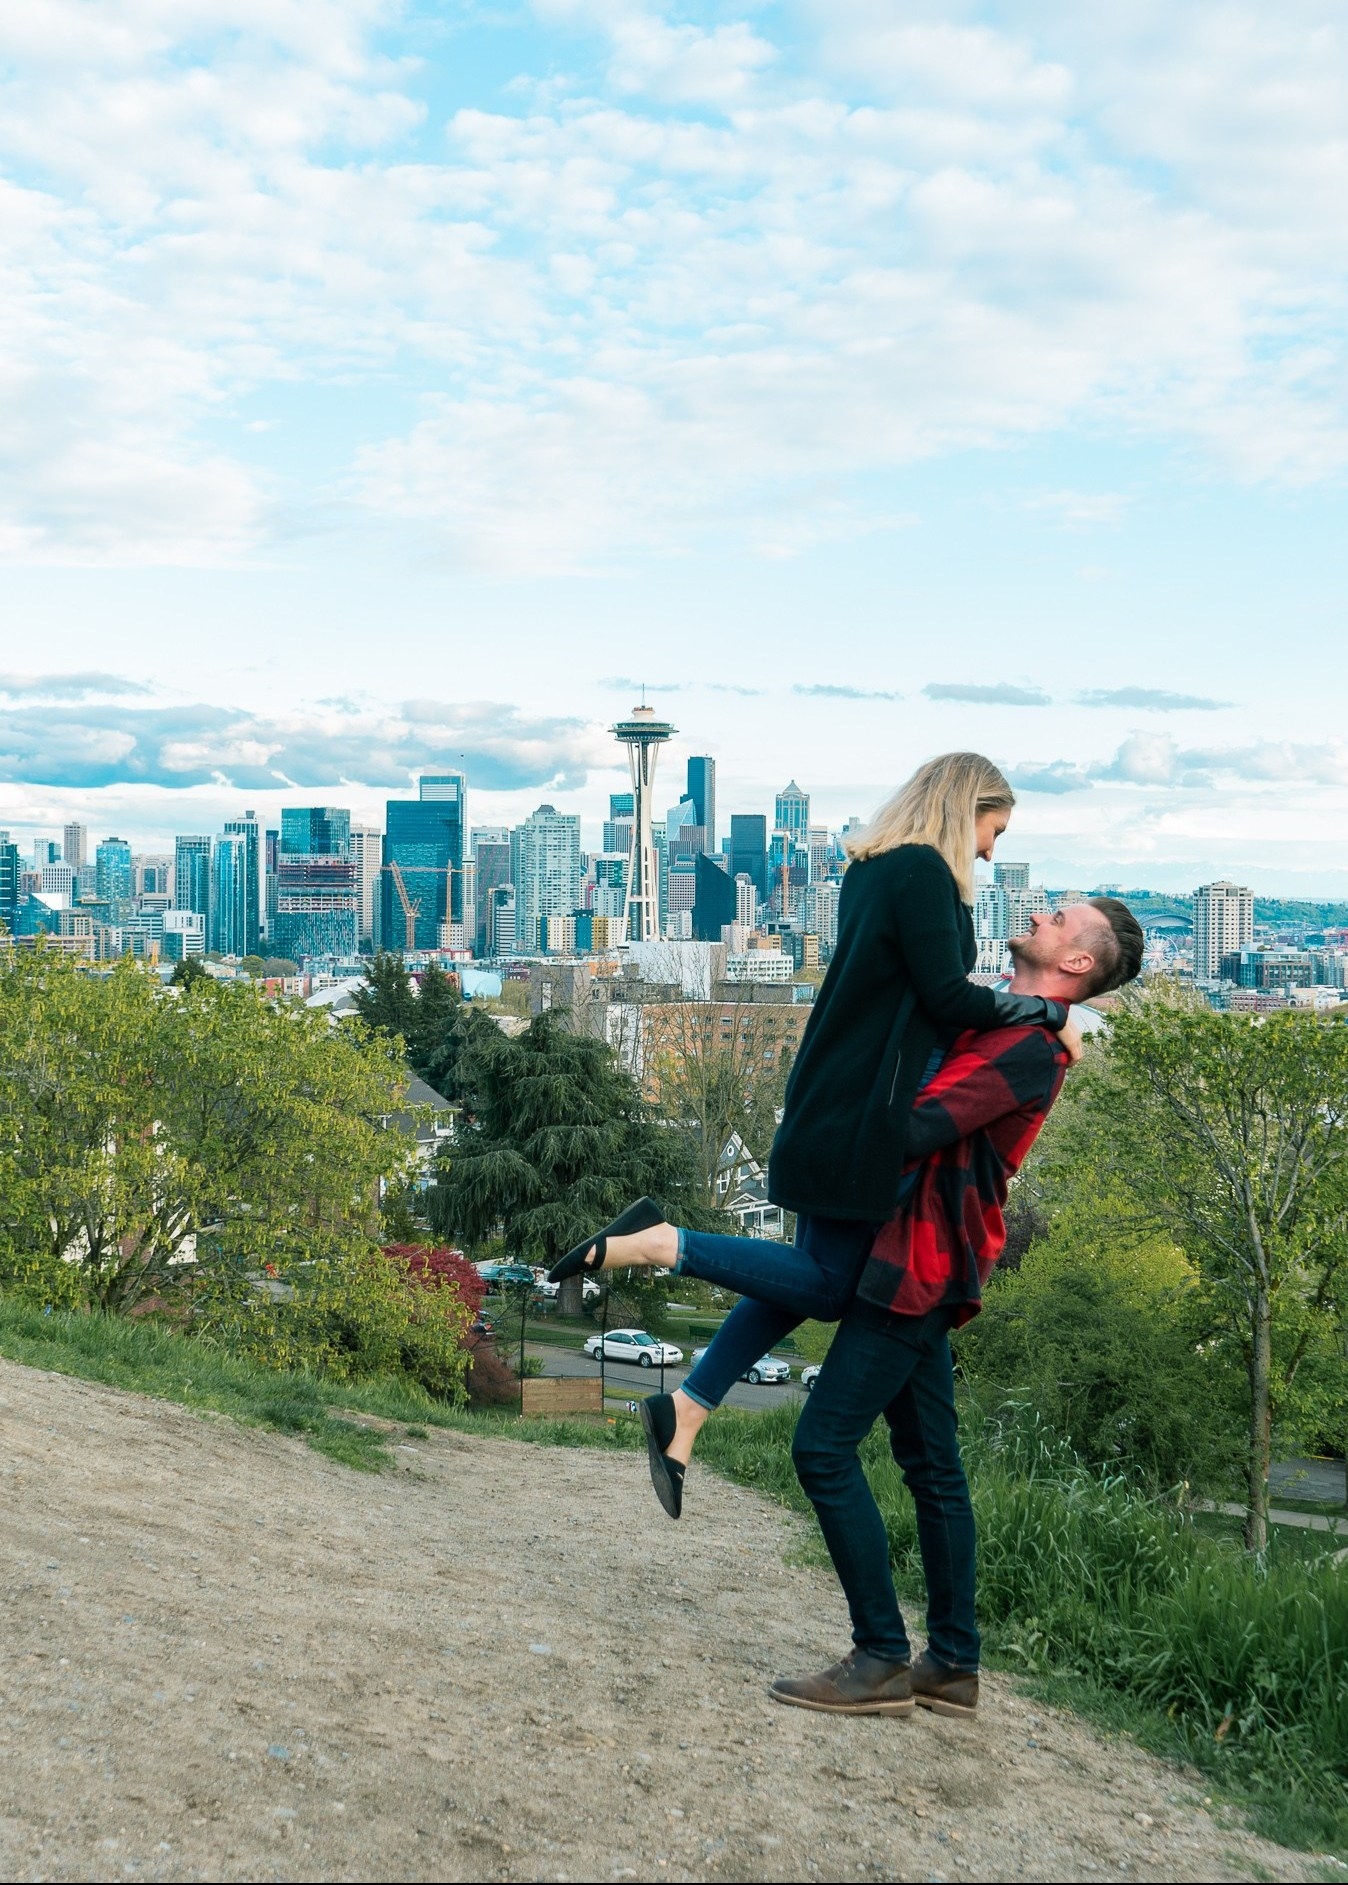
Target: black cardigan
[{"x": 898, "y": 979}]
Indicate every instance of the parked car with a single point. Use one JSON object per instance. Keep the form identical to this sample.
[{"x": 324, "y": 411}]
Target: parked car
[
  {"x": 809, "y": 1375},
  {"x": 505, "y": 1275},
  {"x": 769, "y": 1368},
  {"x": 634, "y": 1345},
  {"x": 589, "y": 1289}
]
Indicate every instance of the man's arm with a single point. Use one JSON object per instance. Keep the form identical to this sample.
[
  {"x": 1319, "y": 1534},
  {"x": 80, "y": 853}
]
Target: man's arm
[{"x": 982, "y": 1079}]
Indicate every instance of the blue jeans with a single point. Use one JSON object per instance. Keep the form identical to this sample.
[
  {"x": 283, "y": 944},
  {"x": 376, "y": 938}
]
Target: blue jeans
[
  {"x": 898, "y": 1366},
  {"x": 782, "y": 1285}
]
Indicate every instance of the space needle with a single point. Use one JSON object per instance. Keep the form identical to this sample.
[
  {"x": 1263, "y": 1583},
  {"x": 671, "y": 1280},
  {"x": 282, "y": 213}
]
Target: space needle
[{"x": 643, "y": 736}]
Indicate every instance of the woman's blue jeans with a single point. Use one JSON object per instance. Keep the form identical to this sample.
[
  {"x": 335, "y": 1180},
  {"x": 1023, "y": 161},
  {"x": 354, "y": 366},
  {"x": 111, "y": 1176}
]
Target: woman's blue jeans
[{"x": 783, "y": 1286}]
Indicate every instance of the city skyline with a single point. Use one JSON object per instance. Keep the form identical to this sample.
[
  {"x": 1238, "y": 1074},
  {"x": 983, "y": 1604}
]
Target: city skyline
[
  {"x": 412, "y": 387},
  {"x": 159, "y": 842}
]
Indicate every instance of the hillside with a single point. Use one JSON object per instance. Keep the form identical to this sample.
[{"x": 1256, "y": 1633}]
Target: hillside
[{"x": 231, "y": 1658}]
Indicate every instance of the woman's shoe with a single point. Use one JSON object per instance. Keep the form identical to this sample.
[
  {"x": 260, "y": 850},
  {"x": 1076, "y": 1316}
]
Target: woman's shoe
[
  {"x": 645, "y": 1214},
  {"x": 658, "y": 1418}
]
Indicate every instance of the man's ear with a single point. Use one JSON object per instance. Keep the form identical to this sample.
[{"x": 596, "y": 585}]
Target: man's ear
[{"x": 1079, "y": 962}]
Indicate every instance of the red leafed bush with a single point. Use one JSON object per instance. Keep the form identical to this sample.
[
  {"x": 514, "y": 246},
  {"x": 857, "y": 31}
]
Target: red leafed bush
[{"x": 434, "y": 1266}]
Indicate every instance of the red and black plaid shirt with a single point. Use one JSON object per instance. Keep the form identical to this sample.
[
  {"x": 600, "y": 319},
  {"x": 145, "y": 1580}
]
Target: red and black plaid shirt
[{"x": 972, "y": 1125}]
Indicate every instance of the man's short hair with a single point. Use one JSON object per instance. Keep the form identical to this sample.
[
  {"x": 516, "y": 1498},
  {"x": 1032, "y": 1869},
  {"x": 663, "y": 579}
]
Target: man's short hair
[{"x": 1120, "y": 958}]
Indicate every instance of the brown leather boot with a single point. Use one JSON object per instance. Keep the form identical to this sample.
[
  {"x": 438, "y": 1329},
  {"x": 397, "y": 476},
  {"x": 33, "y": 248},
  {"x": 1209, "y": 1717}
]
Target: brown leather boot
[
  {"x": 943, "y": 1690},
  {"x": 858, "y": 1685}
]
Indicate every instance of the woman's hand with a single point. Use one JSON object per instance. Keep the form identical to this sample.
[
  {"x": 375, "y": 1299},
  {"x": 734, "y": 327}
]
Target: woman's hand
[{"x": 1070, "y": 1036}]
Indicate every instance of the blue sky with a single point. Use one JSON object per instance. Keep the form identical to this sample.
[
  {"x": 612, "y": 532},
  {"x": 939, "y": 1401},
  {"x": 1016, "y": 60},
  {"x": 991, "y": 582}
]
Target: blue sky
[{"x": 389, "y": 386}]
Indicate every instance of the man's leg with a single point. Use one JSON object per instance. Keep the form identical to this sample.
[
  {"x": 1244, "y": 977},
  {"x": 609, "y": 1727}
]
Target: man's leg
[
  {"x": 924, "y": 1439},
  {"x": 872, "y": 1357}
]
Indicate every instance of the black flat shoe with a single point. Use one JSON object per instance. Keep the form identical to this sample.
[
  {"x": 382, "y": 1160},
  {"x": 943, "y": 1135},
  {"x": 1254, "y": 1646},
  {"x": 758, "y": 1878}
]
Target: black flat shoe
[
  {"x": 657, "y": 1417},
  {"x": 645, "y": 1214}
]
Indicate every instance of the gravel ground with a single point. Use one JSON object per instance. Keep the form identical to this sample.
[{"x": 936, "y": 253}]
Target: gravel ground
[{"x": 226, "y": 1657}]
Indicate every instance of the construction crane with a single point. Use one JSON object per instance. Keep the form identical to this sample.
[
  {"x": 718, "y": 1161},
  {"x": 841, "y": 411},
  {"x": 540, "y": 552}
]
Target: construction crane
[{"x": 411, "y": 906}]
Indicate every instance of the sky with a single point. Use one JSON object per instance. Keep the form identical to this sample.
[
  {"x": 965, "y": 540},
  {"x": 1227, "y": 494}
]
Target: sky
[{"x": 388, "y": 387}]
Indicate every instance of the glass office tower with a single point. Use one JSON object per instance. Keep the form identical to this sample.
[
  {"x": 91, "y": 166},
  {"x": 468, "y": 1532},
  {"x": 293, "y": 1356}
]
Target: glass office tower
[{"x": 424, "y": 839}]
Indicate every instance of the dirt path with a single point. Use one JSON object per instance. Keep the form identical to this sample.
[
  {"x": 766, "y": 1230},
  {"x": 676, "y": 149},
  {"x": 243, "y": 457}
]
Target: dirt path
[{"x": 228, "y": 1658}]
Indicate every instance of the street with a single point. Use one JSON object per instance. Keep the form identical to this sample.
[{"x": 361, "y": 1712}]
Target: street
[{"x": 638, "y": 1382}]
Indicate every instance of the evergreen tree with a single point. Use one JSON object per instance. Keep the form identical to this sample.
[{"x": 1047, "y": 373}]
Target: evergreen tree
[
  {"x": 562, "y": 1141},
  {"x": 386, "y": 1000}
]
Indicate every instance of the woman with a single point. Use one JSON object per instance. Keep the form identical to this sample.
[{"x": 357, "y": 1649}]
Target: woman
[{"x": 896, "y": 990}]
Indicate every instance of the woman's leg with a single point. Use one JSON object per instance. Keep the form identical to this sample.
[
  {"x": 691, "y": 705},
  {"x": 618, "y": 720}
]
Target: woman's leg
[
  {"x": 817, "y": 1276},
  {"x": 823, "y": 1270}
]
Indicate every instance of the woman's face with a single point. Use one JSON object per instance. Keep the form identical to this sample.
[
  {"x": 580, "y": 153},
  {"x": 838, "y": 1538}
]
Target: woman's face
[{"x": 988, "y": 827}]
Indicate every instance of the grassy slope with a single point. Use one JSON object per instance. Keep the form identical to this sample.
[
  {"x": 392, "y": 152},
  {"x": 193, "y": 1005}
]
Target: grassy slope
[{"x": 1051, "y": 1575}]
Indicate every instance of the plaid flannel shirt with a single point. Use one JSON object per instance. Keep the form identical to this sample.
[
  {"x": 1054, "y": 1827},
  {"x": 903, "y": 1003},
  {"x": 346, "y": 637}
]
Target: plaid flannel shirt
[{"x": 971, "y": 1127}]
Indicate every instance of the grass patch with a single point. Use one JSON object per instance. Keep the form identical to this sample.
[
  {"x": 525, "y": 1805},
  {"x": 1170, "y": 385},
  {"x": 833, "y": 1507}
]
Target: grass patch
[{"x": 151, "y": 1359}]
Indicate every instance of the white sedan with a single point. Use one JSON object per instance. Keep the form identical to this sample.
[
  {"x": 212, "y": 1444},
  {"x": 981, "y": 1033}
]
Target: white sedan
[
  {"x": 768, "y": 1368},
  {"x": 809, "y": 1375},
  {"x": 634, "y": 1345}
]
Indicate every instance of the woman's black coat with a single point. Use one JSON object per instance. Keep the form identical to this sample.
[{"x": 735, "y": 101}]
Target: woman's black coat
[{"x": 897, "y": 982}]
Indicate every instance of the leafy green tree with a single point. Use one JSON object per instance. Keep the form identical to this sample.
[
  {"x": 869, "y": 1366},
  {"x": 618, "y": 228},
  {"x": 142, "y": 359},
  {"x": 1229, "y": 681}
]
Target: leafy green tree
[
  {"x": 722, "y": 1068},
  {"x": 187, "y": 972},
  {"x": 1107, "y": 1337},
  {"x": 253, "y": 965},
  {"x": 280, "y": 965},
  {"x": 561, "y": 1142},
  {"x": 1231, "y": 1134},
  {"x": 182, "y": 1145}
]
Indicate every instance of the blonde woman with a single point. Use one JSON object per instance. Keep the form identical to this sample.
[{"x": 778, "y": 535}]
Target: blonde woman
[{"x": 896, "y": 990}]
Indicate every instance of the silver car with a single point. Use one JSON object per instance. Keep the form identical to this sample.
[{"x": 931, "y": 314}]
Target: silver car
[{"x": 768, "y": 1368}]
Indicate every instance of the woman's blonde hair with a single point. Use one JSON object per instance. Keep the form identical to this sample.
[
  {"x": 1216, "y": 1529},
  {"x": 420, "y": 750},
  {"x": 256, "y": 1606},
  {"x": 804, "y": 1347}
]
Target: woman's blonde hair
[{"x": 939, "y": 806}]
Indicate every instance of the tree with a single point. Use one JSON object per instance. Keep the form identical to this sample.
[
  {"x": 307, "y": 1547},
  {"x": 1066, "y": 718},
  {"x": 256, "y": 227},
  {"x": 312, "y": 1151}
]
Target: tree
[
  {"x": 1231, "y": 1133},
  {"x": 561, "y": 1142},
  {"x": 182, "y": 1146},
  {"x": 722, "y": 1067},
  {"x": 187, "y": 972},
  {"x": 386, "y": 1000}
]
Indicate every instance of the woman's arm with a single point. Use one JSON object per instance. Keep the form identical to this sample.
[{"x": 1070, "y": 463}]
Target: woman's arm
[{"x": 924, "y": 917}]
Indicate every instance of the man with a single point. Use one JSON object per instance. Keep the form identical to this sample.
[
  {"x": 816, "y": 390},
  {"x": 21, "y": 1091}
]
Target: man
[{"x": 971, "y": 1128}]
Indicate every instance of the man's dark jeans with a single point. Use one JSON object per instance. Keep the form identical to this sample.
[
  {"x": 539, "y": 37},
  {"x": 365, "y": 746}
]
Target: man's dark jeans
[{"x": 898, "y": 1366}]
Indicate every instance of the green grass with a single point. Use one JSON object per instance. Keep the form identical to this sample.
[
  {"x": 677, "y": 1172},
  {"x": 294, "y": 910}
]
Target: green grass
[{"x": 154, "y": 1360}]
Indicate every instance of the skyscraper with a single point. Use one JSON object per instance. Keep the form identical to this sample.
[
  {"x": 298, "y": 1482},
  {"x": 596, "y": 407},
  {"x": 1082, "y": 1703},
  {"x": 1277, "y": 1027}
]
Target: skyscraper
[
  {"x": 254, "y": 891},
  {"x": 545, "y": 870},
  {"x": 702, "y": 791},
  {"x": 491, "y": 855},
  {"x": 793, "y": 813},
  {"x": 421, "y": 882},
  {"x": 192, "y": 875},
  {"x": 618, "y": 825},
  {"x": 115, "y": 880},
  {"x": 715, "y": 903},
  {"x": 367, "y": 844},
  {"x": 74, "y": 845},
  {"x": 749, "y": 849},
  {"x": 317, "y": 885},
  {"x": 1011, "y": 876},
  {"x": 10, "y": 867},
  {"x": 1223, "y": 924},
  {"x": 230, "y": 903}
]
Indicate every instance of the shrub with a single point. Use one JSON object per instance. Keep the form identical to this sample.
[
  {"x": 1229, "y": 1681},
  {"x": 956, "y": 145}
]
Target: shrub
[
  {"x": 1105, "y": 1339},
  {"x": 490, "y": 1382},
  {"x": 356, "y": 1318}
]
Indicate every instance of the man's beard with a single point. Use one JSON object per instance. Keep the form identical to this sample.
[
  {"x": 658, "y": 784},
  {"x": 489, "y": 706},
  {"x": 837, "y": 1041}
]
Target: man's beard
[{"x": 1018, "y": 945}]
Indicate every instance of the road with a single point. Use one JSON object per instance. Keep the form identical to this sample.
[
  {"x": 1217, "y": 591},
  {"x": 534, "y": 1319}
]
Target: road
[{"x": 623, "y": 1378}]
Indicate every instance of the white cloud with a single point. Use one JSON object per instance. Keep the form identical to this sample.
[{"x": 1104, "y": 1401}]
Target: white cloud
[{"x": 706, "y": 288}]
